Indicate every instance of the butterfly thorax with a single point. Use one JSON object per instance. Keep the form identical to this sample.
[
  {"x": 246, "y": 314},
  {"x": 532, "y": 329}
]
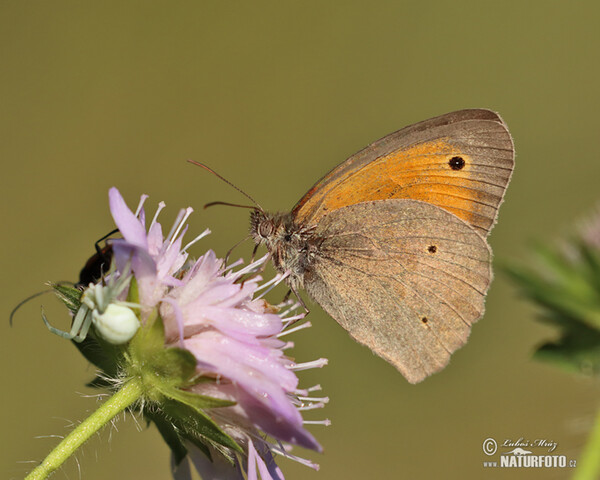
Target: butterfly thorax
[{"x": 292, "y": 246}]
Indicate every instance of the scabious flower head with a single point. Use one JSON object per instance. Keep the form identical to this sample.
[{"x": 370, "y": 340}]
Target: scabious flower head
[{"x": 210, "y": 352}]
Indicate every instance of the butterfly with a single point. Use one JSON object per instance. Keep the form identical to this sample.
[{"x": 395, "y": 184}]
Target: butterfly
[{"x": 392, "y": 243}]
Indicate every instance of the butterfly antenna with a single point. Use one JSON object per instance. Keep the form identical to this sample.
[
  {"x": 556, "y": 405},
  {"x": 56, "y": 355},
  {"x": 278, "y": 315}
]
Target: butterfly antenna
[
  {"x": 229, "y": 183},
  {"x": 210, "y": 204}
]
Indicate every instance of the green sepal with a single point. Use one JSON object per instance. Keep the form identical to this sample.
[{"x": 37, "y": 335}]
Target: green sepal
[
  {"x": 104, "y": 355},
  {"x": 164, "y": 372},
  {"x": 204, "y": 449},
  {"x": 161, "y": 368},
  {"x": 195, "y": 424},
  {"x": 175, "y": 366},
  {"x": 169, "y": 434},
  {"x": 70, "y": 296},
  {"x": 133, "y": 295},
  {"x": 174, "y": 435},
  {"x": 149, "y": 338},
  {"x": 196, "y": 401}
]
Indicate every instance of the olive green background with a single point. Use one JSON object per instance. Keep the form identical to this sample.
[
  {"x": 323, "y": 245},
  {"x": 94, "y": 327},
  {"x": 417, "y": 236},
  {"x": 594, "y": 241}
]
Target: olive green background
[{"x": 273, "y": 94}]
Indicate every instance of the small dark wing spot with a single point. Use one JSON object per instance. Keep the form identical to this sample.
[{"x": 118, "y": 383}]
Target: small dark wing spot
[
  {"x": 456, "y": 163},
  {"x": 424, "y": 320},
  {"x": 432, "y": 249}
]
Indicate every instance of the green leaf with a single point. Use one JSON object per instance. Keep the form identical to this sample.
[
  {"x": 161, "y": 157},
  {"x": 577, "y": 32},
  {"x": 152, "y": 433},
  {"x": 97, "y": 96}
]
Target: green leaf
[
  {"x": 195, "y": 401},
  {"x": 133, "y": 295},
  {"x": 196, "y": 424},
  {"x": 176, "y": 365},
  {"x": 149, "y": 338},
  {"x": 174, "y": 435},
  {"x": 169, "y": 434},
  {"x": 164, "y": 371},
  {"x": 573, "y": 352},
  {"x": 70, "y": 296},
  {"x": 566, "y": 287},
  {"x": 554, "y": 296},
  {"x": 577, "y": 349},
  {"x": 591, "y": 259},
  {"x": 104, "y": 355}
]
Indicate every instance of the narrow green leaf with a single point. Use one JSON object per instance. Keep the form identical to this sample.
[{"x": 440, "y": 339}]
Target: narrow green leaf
[
  {"x": 148, "y": 340},
  {"x": 197, "y": 423},
  {"x": 133, "y": 295},
  {"x": 555, "y": 297},
  {"x": 204, "y": 449},
  {"x": 169, "y": 434},
  {"x": 592, "y": 262},
  {"x": 100, "y": 353},
  {"x": 578, "y": 349},
  {"x": 70, "y": 296},
  {"x": 195, "y": 401},
  {"x": 175, "y": 364}
]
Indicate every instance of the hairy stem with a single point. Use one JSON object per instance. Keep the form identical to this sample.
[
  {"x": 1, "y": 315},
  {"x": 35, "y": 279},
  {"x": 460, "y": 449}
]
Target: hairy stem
[
  {"x": 588, "y": 467},
  {"x": 122, "y": 399}
]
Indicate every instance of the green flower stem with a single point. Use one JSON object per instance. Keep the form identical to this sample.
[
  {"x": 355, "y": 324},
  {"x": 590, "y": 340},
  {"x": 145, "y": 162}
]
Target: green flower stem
[
  {"x": 123, "y": 398},
  {"x": 588, "y": 466}
]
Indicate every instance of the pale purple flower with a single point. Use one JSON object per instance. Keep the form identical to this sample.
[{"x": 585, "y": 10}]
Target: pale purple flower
[
  {"x": 154, "y": 259},
  {"x": 234, "y": 336}
]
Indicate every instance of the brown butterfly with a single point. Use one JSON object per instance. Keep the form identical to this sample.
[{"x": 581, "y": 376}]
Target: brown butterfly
[{"x": 392, "y": 242}]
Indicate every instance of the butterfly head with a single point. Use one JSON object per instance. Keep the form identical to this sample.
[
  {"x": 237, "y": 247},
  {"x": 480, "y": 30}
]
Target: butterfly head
[
  {"x": 266, "y": 227},
  {"x": 290, "y": 245}
]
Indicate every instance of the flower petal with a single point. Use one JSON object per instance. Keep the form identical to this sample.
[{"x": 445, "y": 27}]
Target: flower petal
[
  {"x": 263, "y": 383},
  {"x": 127, "y": 223}
]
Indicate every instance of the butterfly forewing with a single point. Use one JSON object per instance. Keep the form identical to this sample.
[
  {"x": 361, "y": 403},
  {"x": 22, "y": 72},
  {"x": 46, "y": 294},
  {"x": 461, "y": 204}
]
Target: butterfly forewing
[
  {"x": 461, "y": 162},
  {"x": 403, "y": 277}
]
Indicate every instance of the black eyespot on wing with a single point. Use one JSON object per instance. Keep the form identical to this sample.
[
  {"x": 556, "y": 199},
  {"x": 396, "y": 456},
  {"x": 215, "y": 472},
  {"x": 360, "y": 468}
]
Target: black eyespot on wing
[
  {"x": 432, "y": 249},
  {"x": 456, "y": 163},
  {"x": 424, "y": 320}
]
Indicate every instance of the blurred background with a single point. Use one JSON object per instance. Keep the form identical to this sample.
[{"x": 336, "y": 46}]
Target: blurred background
[{"x": 272, "y": 95}]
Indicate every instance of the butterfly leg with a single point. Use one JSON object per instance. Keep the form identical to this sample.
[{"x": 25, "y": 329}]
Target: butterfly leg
[
  {"x": 245, "y": 277},
  {"x": 297, "y": 295},
  {"x": 228, "y": 254},
  {"x": 300, "y": 300},
  {"x": 254, "y": 253}
]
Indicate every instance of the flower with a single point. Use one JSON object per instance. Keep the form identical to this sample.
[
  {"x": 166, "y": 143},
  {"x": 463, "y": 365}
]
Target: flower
[{"x": 211, "y": 312}]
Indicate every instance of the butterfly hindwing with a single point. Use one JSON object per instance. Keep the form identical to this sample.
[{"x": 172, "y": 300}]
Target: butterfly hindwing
[{"x": 403, "y": 277}]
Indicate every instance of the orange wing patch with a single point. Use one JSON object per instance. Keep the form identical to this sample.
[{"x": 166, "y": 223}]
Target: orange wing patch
[{"x": 435, "y": 172}]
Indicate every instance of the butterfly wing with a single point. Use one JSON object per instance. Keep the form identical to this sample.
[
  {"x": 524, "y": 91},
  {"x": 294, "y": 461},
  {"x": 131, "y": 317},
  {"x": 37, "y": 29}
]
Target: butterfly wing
[
  {"x": 461, "y": 162},
  {"x": 403, "y": 277}
]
